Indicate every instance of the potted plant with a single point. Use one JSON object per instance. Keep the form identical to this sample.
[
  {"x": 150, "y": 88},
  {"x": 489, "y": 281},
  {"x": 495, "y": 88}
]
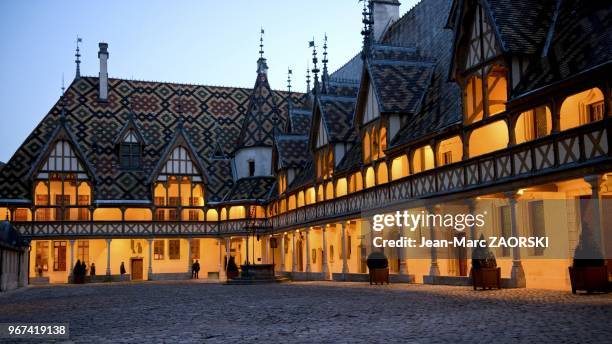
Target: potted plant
[
  {"x": 78, "y": 273},
  {"x": 485, "y": 273},
  {"x": 589, "y": 271},
  {"x": 232, "y": 268},
  {"x": 378, "y": 266}
]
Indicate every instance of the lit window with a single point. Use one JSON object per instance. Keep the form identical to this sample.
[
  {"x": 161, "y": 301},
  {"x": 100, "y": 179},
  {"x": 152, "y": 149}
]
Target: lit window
[{"x": 582, "y": 108}]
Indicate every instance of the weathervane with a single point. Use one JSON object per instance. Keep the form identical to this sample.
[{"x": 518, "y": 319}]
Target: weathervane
[
  {"x": 261, "y": 51},
  {"x": 78, "y": 58},
  {"x": 315, "y": 69}
]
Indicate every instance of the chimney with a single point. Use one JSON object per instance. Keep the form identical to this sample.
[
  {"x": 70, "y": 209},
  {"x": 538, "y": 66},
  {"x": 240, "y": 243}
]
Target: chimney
[
  {"x": 385, "y": 13},
  {"x": 103, "y": 76}
]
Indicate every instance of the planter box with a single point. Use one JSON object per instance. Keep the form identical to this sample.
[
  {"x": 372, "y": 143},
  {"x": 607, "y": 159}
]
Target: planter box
[
  {"x": 486, "y": 278},
  {"x": 379, "y": 276},
  {"x": 589, "y": 279}
]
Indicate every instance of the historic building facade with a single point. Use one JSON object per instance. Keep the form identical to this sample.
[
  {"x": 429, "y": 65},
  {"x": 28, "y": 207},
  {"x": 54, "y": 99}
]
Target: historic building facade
[{"x": 501, "y": 108}]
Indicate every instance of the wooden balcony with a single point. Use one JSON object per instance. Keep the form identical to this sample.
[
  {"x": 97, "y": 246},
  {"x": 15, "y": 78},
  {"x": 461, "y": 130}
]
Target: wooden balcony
[{"x": 580, "y": 149}]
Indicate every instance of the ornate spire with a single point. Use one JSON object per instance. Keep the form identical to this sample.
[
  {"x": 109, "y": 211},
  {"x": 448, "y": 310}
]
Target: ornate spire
[
  {"x": 368, "y": 22},
  {"x": 315, "y": 69},
  {"x": 77, "y": 55},
  {"x": 63, "y": 103},
  {"x": 325, "y": 76},
  {"x": 262, "y": 65},
  {"x": 289, "y": 100},
  {"x": 307, "y": 78}
]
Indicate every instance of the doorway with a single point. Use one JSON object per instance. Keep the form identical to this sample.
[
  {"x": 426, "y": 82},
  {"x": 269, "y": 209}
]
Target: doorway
[{"x": 136, "y": 269}]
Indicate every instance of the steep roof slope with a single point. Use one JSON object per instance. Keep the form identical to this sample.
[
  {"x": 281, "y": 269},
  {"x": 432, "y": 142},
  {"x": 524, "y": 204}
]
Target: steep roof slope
[{"x": 155, "y": 105}]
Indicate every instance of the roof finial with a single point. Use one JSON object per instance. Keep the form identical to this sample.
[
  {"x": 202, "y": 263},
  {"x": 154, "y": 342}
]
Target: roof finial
[
  {"x": 289, "y": 100},
  {"x": 307, "y": 77},
  {"x": 368, "y": 22},
  {"x": 78, "y": 58},
  {"x": 261, "y": 51},
  {"x": 315, "y": 69},
  {"x": 63, "y": 103},
  {"x": 325, "y": 76},
  {"x": 262, "y": 66}
]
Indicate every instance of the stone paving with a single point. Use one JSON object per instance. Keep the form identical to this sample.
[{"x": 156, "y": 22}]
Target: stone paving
[{"x": 322, "y": 312}]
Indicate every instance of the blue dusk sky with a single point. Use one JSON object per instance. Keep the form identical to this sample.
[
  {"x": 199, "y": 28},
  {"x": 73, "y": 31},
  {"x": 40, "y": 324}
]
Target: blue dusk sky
[{"x": 197, "y": 42}]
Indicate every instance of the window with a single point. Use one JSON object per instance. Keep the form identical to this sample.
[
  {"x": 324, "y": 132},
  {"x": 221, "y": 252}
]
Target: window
[
  {"x": 537, "y": 224},
  {"x": 42, "y": 255},
  {"x": 83, "y": 251},
  {"x": 374, "y": 142},
  {"x": 21, "y": 214},
  {"x": 447, "y": 158},
  {"x": 582, "y": 108},
  {"x": 174, "y": 249},
  {"x": 62, "y": 214},
  {"x": 129, "y": 156},
  {"x": 83, "y": 213},
  {"x": 324, "y": 160},
  {"x": 251, "y": 168},
  {"x": 195, "y": 248},
  {"x": 494, "y": 95},
  {"x": 59, "y": 256},
  {"x": 158, "y": 249},
  {"x": 533, "y": 124},
  {"x": 505, "y": 227}
]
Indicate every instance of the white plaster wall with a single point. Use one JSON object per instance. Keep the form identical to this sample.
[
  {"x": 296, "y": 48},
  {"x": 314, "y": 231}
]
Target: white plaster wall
[{"x": 263, "y": 162}]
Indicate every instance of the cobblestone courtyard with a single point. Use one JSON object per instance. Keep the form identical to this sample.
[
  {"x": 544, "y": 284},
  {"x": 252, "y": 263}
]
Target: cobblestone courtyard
[{"x": 311, "y": 312}]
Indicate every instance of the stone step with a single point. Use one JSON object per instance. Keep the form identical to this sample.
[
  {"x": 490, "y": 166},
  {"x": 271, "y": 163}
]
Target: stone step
[{"x": 250, "y": 281}]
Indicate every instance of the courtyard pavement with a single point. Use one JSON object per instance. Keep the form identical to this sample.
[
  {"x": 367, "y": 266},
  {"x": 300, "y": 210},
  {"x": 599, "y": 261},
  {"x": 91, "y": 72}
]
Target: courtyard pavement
[{"x": 321, "y": 312}]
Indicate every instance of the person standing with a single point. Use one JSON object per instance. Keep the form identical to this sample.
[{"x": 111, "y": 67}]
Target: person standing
[
  {"x": 92, "y": 269},
  {"x": 195, "y": 270}
]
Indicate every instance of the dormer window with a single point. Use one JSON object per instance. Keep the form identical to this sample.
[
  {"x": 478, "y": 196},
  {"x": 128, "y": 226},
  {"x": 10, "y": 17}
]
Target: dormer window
[
  {"x": 485, "y": 93},
  {"x": 374, "y": 142},
  {"x": 130, "y": 152},
  {"x": 251, "y": 168}
]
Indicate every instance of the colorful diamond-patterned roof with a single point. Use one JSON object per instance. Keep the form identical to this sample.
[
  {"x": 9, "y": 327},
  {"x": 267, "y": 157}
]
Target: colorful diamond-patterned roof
[
  {"x": 262, "y": 116},
  {"x": 251, "y": 188},
  {"x": 293, "y": 151},
  {"x": 95, "y": 126}
]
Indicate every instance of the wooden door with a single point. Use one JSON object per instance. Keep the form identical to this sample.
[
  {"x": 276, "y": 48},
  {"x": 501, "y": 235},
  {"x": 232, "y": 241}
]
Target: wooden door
[{"x": 136, "y": 269}]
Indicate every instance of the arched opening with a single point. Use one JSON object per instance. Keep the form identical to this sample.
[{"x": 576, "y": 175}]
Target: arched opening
[
  {"x": 329, "y": 190},
  {"x": 320, "y": 193},
  {"x": 341, "y": 187},
  {"x": 138, "y": 214},
  {"x": 488, "y": 138},
  {"x": 212, "y": 215},
  {"x": 292, "y": 202},
  {"x": 300, "y": 199},
  {"x": 450, "y": 150},
  {"x": 311, "y": 195},
  {"x": 370, "y": 177},
  {"x": 422, "y": 159},
  {"x": 107, "y": 214},
  {"x": 582, "y": 108},
  {"x": 533, "y": 124},
  {"x": 237, "y": 212},
  {"x": 382, "y": 173}
]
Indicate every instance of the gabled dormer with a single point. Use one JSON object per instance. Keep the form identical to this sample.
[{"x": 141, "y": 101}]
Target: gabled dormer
[
  {"x": 129, "y": 144},
  {"x": 393, "y": 84},
  {"x": 63, "y": 179},
  {"x": 178, "y": 180},
  {"x": 331, "y": 134}
]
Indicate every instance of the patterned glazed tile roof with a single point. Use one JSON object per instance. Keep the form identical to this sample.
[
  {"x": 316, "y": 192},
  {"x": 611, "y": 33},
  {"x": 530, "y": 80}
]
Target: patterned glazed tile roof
[
  {"x": 343, "y": 88},
  {"x": 262, "y": 116},
  {"x": 337, "y": 113},
  {"x": 305, "y": 177},
  {"x": 351, "y": 160},
  {"x": 293, "y": 151},
  {"x": 400, "y": 84},
  {"x": 581, "y": 39},
  {"x": 422, "y": 29},
  {"x": 299, "y": 121},
  {"x": 95, "y": 126},
  {"x": 250, "y": 188},
  {"x": 522, "y": 25}
]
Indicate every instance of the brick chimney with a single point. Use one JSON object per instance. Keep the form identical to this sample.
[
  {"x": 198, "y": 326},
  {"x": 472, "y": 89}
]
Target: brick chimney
[{"x": 103, "y": 76}]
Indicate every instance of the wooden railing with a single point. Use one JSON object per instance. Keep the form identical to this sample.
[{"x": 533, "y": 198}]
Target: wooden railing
[{"x": 578, "y": 147}]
